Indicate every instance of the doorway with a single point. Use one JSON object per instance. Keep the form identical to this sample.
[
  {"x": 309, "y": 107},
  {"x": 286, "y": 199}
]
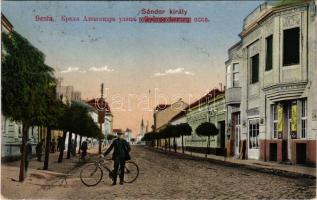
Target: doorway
[
  {"x": 300, "y": 153},
  {"x": 236, "y": 132},
  {"x": 273, "y": 152},
  {"x": 222, "y": 127},
  {"x": 253, "y": 138}
]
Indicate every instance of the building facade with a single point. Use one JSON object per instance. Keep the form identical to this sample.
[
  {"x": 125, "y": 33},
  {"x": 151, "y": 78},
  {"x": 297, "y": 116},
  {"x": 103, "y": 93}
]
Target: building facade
[
  {"x": 209, "y": 108},
  {"x": 107, "y": 125},
  {"x": 163, "y": 113},
  {"x": 11, "y": 131},
  {"x": 179, "y": 119},
  {"x": 271, "y": 79}
]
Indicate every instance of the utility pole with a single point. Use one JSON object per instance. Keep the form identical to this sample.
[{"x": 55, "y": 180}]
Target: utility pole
[{"x": 101, "y": 115}]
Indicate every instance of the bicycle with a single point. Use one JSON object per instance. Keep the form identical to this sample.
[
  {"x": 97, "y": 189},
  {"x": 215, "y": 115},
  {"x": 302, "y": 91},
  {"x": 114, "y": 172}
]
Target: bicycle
[{"x": 92, "y": 173}]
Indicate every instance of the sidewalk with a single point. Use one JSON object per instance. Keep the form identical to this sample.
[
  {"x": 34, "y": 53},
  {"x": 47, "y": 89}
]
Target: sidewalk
[
  {"x": 37, "y": 179},
  {"x": 295, "y": 171}
]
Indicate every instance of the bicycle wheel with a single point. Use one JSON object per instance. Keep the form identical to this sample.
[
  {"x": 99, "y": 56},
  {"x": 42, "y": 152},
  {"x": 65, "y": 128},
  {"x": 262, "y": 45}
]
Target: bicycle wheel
[
  {"x": 131, "y": 172},
  {"x": 91, "y": 175}
]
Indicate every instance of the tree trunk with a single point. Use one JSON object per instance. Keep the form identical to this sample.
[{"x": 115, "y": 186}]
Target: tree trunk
[
  {"x": 69, "y": 144},
  {"x": 62, "y": 147},
  {"x": 25, "y": 129},
  {"x": 169, "y": 144},
  {"x": 207, "y": 150},
  {"x": 99, "y": 149},
  {"x": 80, "y": 139},
  {"x": 183, "y": 144},
  {"x": 165, "y": 144},
  {"x": 75, "y": 142},
  {"x": 174, "y": 145},
  {"x": 38, "y": 134},
  {"x": 47, "y": 148}
]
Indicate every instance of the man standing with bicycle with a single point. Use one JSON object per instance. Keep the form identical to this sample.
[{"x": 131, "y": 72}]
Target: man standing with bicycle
[{"x": 121, "y": 149}]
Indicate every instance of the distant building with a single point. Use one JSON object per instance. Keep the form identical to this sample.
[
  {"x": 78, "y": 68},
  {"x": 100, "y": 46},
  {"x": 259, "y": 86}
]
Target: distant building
[
  {"x": 128, "y": 134},
  {"x": 116, "y": 131},
  {"x": 180, "y": 118},
  {"x": 108, "y": 117},
  {"x": 209, "y": 108},
  {"x": 141, "y": 133},
  {"x": 76, "y": 96},
  {"x": 163, "y": 113}
]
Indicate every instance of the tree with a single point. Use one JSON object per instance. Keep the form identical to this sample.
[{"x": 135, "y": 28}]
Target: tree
[
  {"x": 54, "y": 112},
  {"x": 207, "y": 129},
  {"x": 184, "y": 129},
  {"x": 163, "y": 134},
  {"x": 76, "y": 119},
  {"x": 24, "y": 80},
  {"x": 170, "y": 132}
]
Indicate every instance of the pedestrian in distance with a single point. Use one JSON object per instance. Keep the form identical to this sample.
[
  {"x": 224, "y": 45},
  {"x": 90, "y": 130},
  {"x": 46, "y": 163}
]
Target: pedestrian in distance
[
  {"x": 59, "y": 143},
  {"x": 72, "y": 148},
  {"x": 28, "y": 154},
  {"x": 83, "y": 148},
  {"x": 39, "y": 150},
  {"x": 175, "y": 146},
  {"x": 120, "y": 155},
  {"x": 53, "y": 146}
]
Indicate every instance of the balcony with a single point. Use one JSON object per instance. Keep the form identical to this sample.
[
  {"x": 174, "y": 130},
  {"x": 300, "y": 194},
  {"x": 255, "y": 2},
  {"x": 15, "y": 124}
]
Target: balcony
[{"x": 233, "y": 95}]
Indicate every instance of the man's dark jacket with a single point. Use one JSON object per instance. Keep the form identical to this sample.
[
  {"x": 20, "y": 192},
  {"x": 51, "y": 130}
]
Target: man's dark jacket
[{"x": 121, "y": 150}]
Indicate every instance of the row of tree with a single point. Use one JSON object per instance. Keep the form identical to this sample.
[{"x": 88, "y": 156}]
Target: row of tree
[
  {"x": 184, "y": 129},
  {"x": 29, "y": 96},
  {"x": 171, "y": 131}
]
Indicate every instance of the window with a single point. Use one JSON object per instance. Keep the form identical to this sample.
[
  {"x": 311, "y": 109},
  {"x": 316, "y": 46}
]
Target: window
[
  {"x": 291, "y": 46},
  {"x": 235, "y": 75},
  {"x": 269, "y": 53},
  {"x": 229, "y": 81},
  {"x": 274, "y": 121},
  {"x": 254, "y": 133},
  {"x": 255, "y": 68},
  {"x": 303, "y": 118}
]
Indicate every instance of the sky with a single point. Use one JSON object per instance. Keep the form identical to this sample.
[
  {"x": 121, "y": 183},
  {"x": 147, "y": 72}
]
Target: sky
[{"x": 140, "y": 64}]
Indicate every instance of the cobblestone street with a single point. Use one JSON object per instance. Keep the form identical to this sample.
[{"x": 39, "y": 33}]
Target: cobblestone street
[{"x": 165, "y": 176}]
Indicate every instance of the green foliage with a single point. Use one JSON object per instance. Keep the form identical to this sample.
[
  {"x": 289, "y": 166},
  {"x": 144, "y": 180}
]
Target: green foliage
[
  {"x": 76, "y": 119},
  {"x": 169, "y": 132},
  {"x": 207, "y": 129},
  {"x": 25, "y": 81},
  {"x": 150, "y": 136},
  {"x": 184, "y": 129}
]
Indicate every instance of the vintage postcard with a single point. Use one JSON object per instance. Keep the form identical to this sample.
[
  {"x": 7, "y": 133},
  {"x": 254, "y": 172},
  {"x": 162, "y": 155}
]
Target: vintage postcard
[{"x": 158, "y": 99}]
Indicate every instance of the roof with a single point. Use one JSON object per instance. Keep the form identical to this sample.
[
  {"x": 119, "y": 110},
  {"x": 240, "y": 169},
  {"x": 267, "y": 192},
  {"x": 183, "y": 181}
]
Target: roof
[
  {"x": 161, "y": 107},
  {"x": 209, "y": 96},
  {"x": 6, "y": 23},
  {"x": 99, "y": 104},
  {"x": 263, "y": 12},
  {"x": 179, "y": 115}
]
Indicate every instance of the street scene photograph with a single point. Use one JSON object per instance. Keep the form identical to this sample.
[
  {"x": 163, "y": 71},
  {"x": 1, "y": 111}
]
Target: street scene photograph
[{"x": 158, "y": 99}]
